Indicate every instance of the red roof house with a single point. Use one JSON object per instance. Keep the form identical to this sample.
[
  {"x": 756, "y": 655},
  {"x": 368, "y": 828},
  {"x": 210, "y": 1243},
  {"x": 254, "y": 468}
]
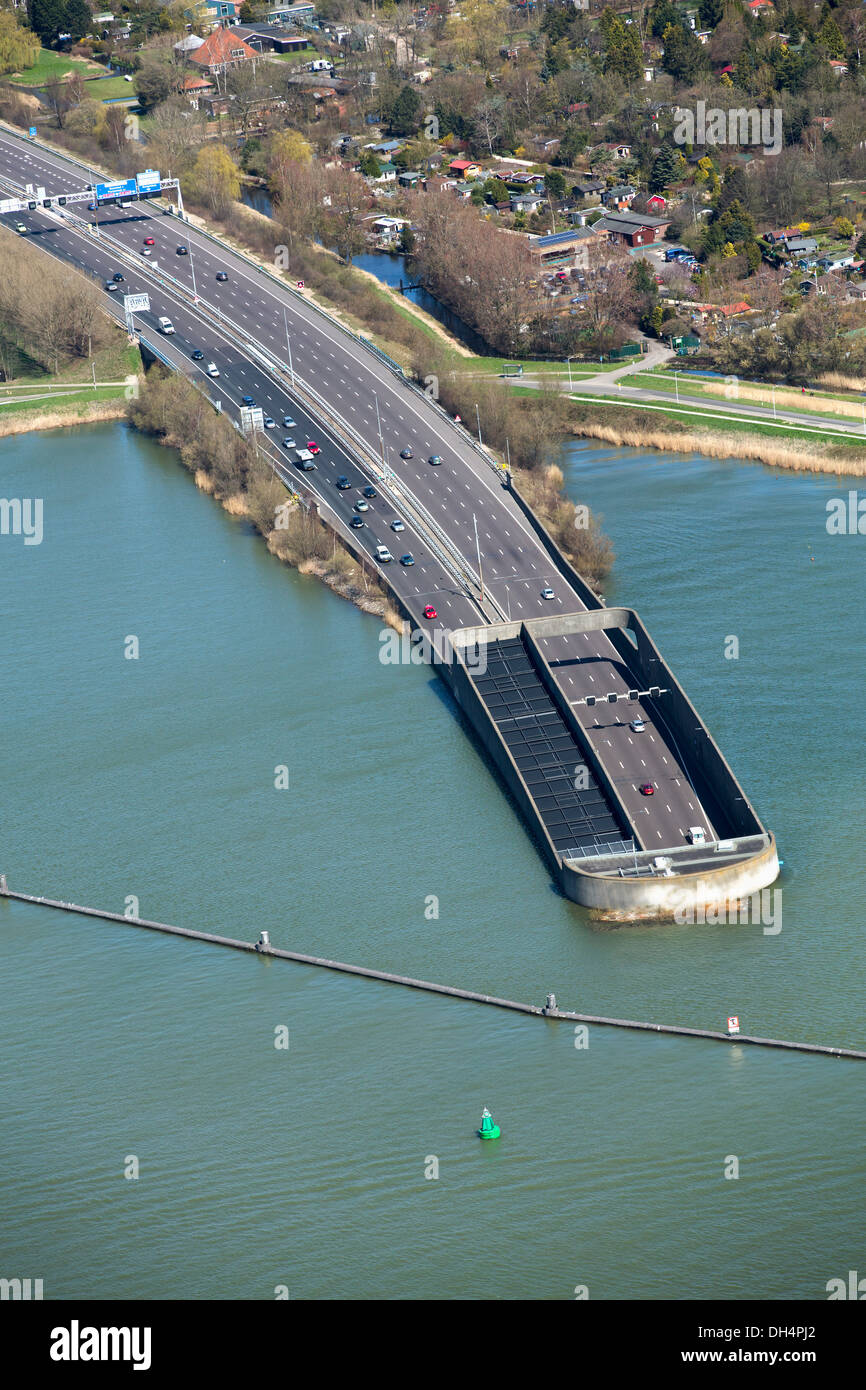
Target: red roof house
[{"x": 220, "y": 51}]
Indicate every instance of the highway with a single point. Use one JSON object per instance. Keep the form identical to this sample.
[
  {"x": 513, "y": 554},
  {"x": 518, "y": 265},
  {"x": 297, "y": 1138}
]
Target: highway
[{"x": 365, "y": 393}]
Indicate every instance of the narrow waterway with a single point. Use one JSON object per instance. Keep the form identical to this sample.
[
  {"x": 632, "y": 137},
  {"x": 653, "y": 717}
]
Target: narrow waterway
[{"x": 393, "y": 845}]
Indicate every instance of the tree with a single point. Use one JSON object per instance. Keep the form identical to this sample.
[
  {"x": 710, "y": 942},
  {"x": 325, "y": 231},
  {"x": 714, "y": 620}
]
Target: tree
[
  {"x": 47, "y": 18},
  {"x": 711, "y": 12},
  {"x": 369, "y": 165},
  {"x": 77, "y": 18},
  {"x": 214, "y": 180},
  {"x": 666, "y": 166},
  {"x": 554, "y": 182},
  {"x": 19, "y": 47},
  {"x": 623, "y": 53},
  {"x": 153, "y": 84},
  {"x": 683, "y": 56},
  {"x": 403, "y": 116}
]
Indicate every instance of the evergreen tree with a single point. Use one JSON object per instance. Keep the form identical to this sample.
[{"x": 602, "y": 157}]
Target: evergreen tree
[
  {"x": 403, "y": 117},
  {"x": 665, "y": 168},
  {"x": 683, "y": 55}
]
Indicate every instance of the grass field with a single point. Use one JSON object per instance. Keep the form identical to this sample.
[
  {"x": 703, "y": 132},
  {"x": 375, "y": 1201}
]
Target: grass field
[
  {"x": 49, "y": 67},
  {"x": 112, "y": 363},
  {"x": 113, "y": 86}
]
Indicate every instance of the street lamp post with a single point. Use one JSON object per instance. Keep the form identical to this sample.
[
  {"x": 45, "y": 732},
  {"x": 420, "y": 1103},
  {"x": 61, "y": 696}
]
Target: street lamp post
[
  {"x": 570, "y": 381},
  {"x": 478, "y": 418},
  {"x": 677, "y": 386},
  {"x": 478, "y": 551},
  {"x": 289, "y": 348}
]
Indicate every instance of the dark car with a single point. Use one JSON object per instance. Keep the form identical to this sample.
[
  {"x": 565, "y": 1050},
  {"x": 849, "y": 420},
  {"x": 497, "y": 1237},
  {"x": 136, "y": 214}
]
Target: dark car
[
  {"x": 117, "y": 277},
  {"x": 197, "y": 354},
  {"x": 221, "y": 275},
  {"x": 406, "y": 453},
  {"x": 343, "y": 483},
  {"x": 357, "y": 523},
  {"x": 182, "y": 251},
  {"x": 247, "y": 400},
  {"x": 370, "y": 491},
  {"x": 435, "y": 459},
  {"x": 407, "y": 559}
]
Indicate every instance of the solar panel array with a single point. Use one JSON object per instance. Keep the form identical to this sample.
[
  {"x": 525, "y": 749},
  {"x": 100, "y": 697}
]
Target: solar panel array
[{"x": 580, "y": 820}]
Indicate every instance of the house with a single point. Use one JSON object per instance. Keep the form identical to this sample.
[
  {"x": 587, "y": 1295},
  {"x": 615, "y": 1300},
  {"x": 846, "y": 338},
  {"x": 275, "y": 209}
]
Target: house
[
  {"x": 619, "y": 197},
  {"x": 590, "y": 189},
  {"x": 410, "y": 178},
  {"x": 464, "y": 169},
  {"x": 800, "y": 246},
  {"x": 266, "y": 38},
  {"x": 387, "y": 173},
  {"x": 194, "y": 88},
  {"x": 221, "y": 51},
  {"x": 656, "y": 203},
  {"x": 760, "y": 7},
  {"x": 781, "y": 234},
  {"x": 292, "y": 14},
  {"x": 561, "y": 248},
  {"x": 649, "y": 73},
  {"x": 631, "y": 228},
  {"x": 189, "y": 44},
  {"x": 207, "y": 14},
  {"x": 574, "y": 108},
  {"x": 388, "y": 229},
  {"x": 838, "y": 67},
  {"x": 525, "y": 202}
]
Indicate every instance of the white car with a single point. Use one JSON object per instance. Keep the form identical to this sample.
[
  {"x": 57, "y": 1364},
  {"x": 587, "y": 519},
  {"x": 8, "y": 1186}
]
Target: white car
[
  {"x": 637, "y": 726},
  {"x": 547, "y": 592},
  {"x": 383, "y": 554},
  {"x": 397, "y": 525},
  {"x": 696, "y": 835},
  {"x": 212, "y": 369}
]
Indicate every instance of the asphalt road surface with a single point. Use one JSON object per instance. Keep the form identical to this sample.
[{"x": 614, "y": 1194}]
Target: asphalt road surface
[{"x": 462, "y": 490}]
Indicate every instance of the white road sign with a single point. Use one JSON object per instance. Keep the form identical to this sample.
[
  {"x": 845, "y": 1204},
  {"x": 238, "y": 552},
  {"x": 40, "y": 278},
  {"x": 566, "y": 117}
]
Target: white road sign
[{"x": 136, "y": 303}]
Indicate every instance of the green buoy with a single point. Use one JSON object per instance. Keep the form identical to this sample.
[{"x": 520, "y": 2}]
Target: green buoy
[{"x": 488, "y": 1129}]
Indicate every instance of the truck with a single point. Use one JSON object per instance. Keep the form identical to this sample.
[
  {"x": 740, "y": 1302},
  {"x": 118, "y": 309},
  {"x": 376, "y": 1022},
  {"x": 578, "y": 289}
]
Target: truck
[{"x": 304, "y": 459}]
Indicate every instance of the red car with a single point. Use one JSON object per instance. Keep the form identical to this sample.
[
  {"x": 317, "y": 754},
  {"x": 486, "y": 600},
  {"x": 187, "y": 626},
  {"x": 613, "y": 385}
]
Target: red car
[
  {"x": 647, "y": 789},
  {"x": 313, "y": 446},
  {"x": 430, "y": 611},
  {"x": 149, "y": 241}
]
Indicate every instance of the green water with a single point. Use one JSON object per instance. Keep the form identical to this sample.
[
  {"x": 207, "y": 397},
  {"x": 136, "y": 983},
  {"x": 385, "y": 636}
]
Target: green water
[{"x": 305, "y": 1167}]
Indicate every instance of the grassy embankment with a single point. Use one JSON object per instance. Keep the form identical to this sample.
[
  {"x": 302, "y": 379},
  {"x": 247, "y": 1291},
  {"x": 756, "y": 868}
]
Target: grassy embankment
[
  {"x": 38, "y": 400},
  {"x": 227, "y": 467}
]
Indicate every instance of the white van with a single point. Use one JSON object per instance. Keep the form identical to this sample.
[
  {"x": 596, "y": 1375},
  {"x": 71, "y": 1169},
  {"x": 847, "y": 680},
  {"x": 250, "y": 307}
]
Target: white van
[
  {"x": 305, "y": 460},
  {"x": 165, "y": 325},
  {"x": 696, "y": 835},
  {"x": 383, "y": 554}
]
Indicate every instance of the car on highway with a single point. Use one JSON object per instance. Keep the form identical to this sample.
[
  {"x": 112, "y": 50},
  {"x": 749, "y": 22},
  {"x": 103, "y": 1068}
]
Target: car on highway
[
  {"x": 313, "y": 446},
  {"x": 307, "y": 465},
  {"x": 197, "y": 354},
  {"x": 647, "y": 789},
  {"x": 370, "y": 491},
  {"x": 212, "y": 369},
  {"x": 19, "y": 227},
  {"x": 247, "y": 400},
  {"x": 117, "y": 277},
  {"x": 357, "y": 522},
  {"x": 343, "y": 482},
  {"x": 430, "y": 611},
  {"x": 290, "y": 443},
  {"x": 398, "y": 525},
  {"x": 406, "y": 453},
  {"x": 289, "y": 423},
  {"x": 547, "y": 592},
  {"x": 145, "y": 251},
  {"x": 435, "y": 459},
  {"x": 696, "y": 835},
  {"x": 111, "y": 287},
  {"x": 637, "y": 726},
  {"x": 182, "y": 251},
  {"x": 221, "y": 275},
  {"x": 91, "y": 207},
  {"x": 165, "y": 325},
  {"x": 361, "y": 505},
  {"x": 150, "y": 241},
  {"x": 383, "y": 555},
  {"x": 407, "y": 559},
  {"x": 269, "y": 422}
]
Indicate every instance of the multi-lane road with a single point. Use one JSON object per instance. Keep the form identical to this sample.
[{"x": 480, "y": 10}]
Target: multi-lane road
[{"x": 460, "y": 493}]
